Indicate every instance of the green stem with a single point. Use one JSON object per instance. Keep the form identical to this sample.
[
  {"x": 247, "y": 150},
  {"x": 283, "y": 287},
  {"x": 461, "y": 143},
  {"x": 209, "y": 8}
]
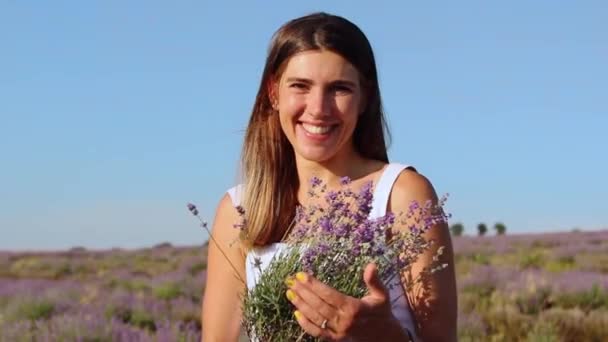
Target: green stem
[{"x": 204, "y": 224}]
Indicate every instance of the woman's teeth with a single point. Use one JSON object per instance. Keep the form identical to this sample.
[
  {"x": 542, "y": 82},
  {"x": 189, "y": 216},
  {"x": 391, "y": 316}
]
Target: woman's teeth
[{"x": 313, "y": 129}]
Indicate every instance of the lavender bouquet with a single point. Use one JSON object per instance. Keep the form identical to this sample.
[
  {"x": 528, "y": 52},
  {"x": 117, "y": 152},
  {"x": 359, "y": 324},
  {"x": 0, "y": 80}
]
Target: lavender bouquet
[{"x": 334, "y": 241}]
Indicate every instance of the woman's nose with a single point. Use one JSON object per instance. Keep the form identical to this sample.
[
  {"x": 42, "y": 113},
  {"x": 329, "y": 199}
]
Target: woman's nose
[{"x": 319, "y": 103}]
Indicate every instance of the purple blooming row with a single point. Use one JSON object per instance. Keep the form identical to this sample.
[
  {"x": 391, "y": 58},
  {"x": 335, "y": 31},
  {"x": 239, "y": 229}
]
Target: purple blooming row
[
  {"x": 514, "y": 280},
  {"x": 114, "y": 295}
]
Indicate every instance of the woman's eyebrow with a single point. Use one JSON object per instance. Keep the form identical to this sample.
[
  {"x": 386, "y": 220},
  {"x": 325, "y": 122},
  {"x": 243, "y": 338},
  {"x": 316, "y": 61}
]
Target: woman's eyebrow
[
  {"x": 342, "y": 82},
  {"x": 298, "y": 80}
]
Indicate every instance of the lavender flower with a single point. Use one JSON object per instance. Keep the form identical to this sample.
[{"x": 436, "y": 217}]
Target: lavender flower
[
  {"x": 334, "y": 241},
  {"x": 345, "y": 180},
  {"x": 326, "y": 225},
  {"x": 315, "y": 182},
  {"x": 192, "y": 209}
]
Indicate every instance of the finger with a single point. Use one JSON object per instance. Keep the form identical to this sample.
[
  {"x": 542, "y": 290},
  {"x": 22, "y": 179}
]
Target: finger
[
  {"x": 311, "y": 328},
  {"x": 313, "y": 307},
  {"x": 373, "y": 282},
  {"x": 328, "y": 294}
]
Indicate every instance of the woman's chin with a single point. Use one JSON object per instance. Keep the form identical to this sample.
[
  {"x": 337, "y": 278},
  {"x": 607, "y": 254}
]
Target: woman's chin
[{"x": 317, "y": 155}]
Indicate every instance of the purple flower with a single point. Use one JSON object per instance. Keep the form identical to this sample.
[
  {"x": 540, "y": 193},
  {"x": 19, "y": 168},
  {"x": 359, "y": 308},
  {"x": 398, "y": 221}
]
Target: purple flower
[
  {"x": 414, "y": 229},
  {"x": 331, "y": 196},
  {"x": 428, "y": 204},
  {"x": 414, "y": 206},
  {"x": 345, "y": 180},
  {"x": 322, "y": 249},
  {"x": 315, "y": 182},
  {"x": 192, "y": 209},
  {"x": 364, "y": 200},
  {"x": 342, "y": 230},
  {"x": 326, "y": 225},
  {"x": 388, "y": 219},
  {"x": 364, "y": 233},
  {"x": 428, "y": 223}
]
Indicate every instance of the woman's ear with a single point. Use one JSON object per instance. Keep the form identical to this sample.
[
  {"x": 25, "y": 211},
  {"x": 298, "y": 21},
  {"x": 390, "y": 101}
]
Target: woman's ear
[{"x": 273, "y": 93}]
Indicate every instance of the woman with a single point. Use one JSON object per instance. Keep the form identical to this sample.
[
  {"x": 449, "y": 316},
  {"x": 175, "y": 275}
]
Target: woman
[{"x": 318, "y": 113}]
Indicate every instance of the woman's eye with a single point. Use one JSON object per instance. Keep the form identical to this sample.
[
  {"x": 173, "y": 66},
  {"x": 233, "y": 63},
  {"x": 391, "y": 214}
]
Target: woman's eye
[
  {"x": 342, "y": 89},
  {"x": 298, "y": 86}
]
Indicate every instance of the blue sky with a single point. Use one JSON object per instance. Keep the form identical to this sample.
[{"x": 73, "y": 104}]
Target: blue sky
[{"x": 115, "y": 114}]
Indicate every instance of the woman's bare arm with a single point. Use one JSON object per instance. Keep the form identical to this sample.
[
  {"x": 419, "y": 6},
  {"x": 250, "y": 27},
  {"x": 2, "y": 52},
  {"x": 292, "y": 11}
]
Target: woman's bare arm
[
  {"x": 221, "y": 308},
  {"x": 435, "y": 303}
]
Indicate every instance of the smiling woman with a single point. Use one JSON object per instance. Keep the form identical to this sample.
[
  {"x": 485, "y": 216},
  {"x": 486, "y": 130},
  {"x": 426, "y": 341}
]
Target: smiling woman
[
  {"x": 318, "y": 99},
  {"x": 318, "y": 113}
]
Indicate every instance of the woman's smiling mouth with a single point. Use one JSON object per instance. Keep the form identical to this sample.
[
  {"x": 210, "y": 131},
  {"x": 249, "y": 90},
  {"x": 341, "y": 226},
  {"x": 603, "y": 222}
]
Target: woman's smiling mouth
[{"x": 317, "y": 132}]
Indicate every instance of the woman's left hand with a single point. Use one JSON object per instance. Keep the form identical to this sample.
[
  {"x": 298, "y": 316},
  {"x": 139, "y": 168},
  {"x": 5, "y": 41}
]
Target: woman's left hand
[{"x": 325, "y": 312}]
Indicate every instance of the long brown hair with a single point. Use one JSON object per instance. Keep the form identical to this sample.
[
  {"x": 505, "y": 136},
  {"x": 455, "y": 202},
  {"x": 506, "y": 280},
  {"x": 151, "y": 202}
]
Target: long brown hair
[{"x": 268, "y": 160}]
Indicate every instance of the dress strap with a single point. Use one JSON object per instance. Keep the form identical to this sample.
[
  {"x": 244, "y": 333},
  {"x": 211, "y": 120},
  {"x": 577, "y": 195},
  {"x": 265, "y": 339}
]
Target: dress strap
[
  {"x": 235, "y": 194},
  {"x": 384, "y": 187}
]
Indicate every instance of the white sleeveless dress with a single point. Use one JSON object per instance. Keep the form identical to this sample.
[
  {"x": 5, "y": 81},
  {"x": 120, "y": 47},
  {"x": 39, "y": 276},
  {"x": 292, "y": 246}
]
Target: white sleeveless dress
[{"x": 401, "y": 308}]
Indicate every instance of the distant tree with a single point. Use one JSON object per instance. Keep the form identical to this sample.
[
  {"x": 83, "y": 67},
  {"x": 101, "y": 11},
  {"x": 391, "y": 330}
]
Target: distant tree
[
  {"x": 482, "y": 229},
  {"x": 500, "y": 228},
  {"x": 457, "y": 229},
  {"x": 78, "y": 250}
]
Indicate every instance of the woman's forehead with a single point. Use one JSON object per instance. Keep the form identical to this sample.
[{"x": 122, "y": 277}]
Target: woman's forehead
[{"x": 320, "y": 66}]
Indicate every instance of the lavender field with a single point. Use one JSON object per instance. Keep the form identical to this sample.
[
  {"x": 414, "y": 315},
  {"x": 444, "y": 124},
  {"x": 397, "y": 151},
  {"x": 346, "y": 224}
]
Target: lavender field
[
  {"x": 117, "y": 295},
  {"x": 546, "y": 287}
]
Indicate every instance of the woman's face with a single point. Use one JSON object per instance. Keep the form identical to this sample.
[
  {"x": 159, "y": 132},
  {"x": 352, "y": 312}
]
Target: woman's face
[{"x": 319, "y": 99}]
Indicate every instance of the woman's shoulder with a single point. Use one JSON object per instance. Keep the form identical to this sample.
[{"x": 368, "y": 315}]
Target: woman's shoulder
[
  {"x": 411, "y": 185},
  {"x": 224, "y": 229},
  {"x": 226, "y": 209}
]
